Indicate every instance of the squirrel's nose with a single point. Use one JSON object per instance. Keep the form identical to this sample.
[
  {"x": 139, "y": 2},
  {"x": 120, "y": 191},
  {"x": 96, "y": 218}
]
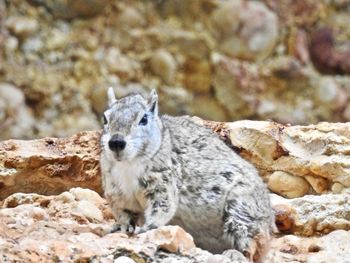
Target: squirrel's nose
[{"x": 117, "y": 143}]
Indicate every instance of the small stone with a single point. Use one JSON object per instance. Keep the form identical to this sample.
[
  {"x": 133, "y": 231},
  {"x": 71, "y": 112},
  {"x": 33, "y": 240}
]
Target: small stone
[
  {"x": 22, "y": 26},
  {"x": 32, "y": 45},
  {"x": 89, "y": 210},
  {"x": 124, "y": 259},
  {"x": 337, "y": 188},
  {"x": 197, "y": 75},
  {"x": 208, "y": 108},
  {"x": 66, "y": 197},
  {"x": 164, "y": 65},
  {"x": 346, "y": 112},
  {"x": 87, "y": 195},
  {"x": 57, "y": 40},
  {"x": 327, "y": 89},
  {"x": 11, "y": 44},
  {"x": 319, "y": 184},
  {"x": 217, "y": 259},
  {"x": 288, "y": 185},
  {"x": 74, "y": 9},
  {"x": 120, "y": 64},
  {"x": 245, "y": 29},
  {"x": 170, "y": 238},
  {"x": 131, "y": 17},
  {"x": 284, "y": 218}
]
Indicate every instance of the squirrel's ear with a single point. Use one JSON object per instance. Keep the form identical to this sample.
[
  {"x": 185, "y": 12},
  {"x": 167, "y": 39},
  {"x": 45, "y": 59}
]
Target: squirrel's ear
[
  {"x": 111, "y": 96},
  {"x": 153, "y": 101}
]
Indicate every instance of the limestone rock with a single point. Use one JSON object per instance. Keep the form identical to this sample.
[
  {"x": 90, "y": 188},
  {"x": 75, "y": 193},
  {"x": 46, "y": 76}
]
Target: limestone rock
[
  {"x": 316, "y": 153},
  {"x": 288, "y": 185},
  {"x": 320, "y": 150},
  {"x": 328, "y": 248},
  {"x": 22, "y": 26},
  {"x": 171, "y": 238},
  {"x": 47, "y": 228},
  {"x": 15, "y": 117},
  {"x": 50, "y": 165},
  {"x": 123, "y": 259},
  {"x": 68, "y": 9},
  {"x": 246, "y": 29},
  {"x": 312, "y": 215},
  {"x": 164, "y": 65}
]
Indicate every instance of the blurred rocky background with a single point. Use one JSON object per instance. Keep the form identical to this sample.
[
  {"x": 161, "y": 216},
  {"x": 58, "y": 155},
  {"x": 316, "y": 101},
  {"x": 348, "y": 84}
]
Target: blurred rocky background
[{"x": 287, "y": 61}]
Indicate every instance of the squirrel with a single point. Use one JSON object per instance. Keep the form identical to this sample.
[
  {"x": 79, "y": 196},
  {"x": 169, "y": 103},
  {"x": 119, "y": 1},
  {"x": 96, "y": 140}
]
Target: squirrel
[{"x": 160, "y": 170}]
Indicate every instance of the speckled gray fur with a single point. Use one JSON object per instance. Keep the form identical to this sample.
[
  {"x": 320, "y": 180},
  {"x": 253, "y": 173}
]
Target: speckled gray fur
[{"x": 174, "y": 171}]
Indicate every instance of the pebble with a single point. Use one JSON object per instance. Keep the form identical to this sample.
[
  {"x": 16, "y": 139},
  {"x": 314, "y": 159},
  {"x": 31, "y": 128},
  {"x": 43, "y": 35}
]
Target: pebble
[
  {"x": 288, "y": 185},
  {"x": 124, "y": 259}
]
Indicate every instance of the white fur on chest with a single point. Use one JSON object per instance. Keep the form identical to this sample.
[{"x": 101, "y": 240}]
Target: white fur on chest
[{"x": 124, "y": 178}]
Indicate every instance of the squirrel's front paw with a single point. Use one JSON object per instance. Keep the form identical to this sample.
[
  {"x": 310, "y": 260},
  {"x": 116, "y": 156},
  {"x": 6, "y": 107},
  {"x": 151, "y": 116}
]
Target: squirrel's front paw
[
  {"x": 123, "y": 228},
  {"x": 144, "y": 229}
]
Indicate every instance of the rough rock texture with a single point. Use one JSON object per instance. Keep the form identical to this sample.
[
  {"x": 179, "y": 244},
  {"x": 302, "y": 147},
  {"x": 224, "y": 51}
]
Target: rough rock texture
[
  {"x": 293, "y": 160},
  {"x": 312, "y": 215},
  {"x": 333, "y": 247},
  {"x": 36, "y": 228},
  {"x": 319, "y": 153},
  {"x": 50, "y": 165},
  {"x": 222, "y": 60}
]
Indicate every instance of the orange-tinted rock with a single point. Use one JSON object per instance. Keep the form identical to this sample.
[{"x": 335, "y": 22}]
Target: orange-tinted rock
[{"x": 50, "y": 165}]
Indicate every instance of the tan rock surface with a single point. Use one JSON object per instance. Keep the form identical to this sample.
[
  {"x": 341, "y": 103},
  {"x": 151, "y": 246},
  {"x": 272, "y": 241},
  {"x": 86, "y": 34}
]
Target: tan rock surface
[
  {"x": 38, "y": 228},
  {"x": 287, "y": 185},
  {"x": 312, "y": 215},
  {"x": 333, "y": 247},
  {"x": 60, "y": 52},
  {"x": 318, "y": 153},
  {"x": 50, "y": 165}
]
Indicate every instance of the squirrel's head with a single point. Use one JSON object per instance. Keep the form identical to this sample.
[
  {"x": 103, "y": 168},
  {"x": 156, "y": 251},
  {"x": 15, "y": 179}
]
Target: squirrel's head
[{"x": 132, "y": 127}]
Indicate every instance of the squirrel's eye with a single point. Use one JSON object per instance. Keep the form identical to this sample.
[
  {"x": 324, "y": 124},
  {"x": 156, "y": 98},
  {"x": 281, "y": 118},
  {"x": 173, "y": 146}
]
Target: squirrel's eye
[
  {"x": 144, "y": 120},
  {"x": 104, "y": 119}
]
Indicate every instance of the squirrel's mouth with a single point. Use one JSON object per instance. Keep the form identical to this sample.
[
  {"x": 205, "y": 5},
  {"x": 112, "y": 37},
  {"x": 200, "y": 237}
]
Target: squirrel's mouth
[{"x": 120, "y": 156}]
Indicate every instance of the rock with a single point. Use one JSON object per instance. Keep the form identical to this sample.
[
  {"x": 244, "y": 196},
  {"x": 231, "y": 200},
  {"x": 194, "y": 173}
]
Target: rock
[
  {"x": 246, "y": 29},
  {"x": 319, "y": 184},
  {"x": 164, "y": 65},
  {"x": 324, "y": 56},
  {"x": 171, "y": 238},
  {"x": 45, "y": 228},
  {"x": 232, "y": 82},
  {"x": 194, "y": 45},
  {"x": 124, "y": 260},
  {"x": 51, "y": 165},
  {"x": 298, "y": 45},
  {"x": 15, "y": 117},
  {"x": 69, "y": 9},
  {"x": 87, "y": 195},
  {"x": 21, "y": 26},
  {"x": 297, "y": 12},
  {"x": 131, "y": 17},
  {"x": 317, "y": 153},
  {"x": 121, "y": 65},
  {"x": 312, "y": 215},
  {"x": 337, "y": 188},
  {"x": 287, "y": 185},
  {"x": 217, "y": 259},
  {"x": 36, "y": 227},
  {"x": 197, "y": 76},
  {"x": 318, "y": 150},
  {"x": 89, "y": 210},
  {"x": 328, "y": 248},
  {"x": 207, "y": 107}
]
